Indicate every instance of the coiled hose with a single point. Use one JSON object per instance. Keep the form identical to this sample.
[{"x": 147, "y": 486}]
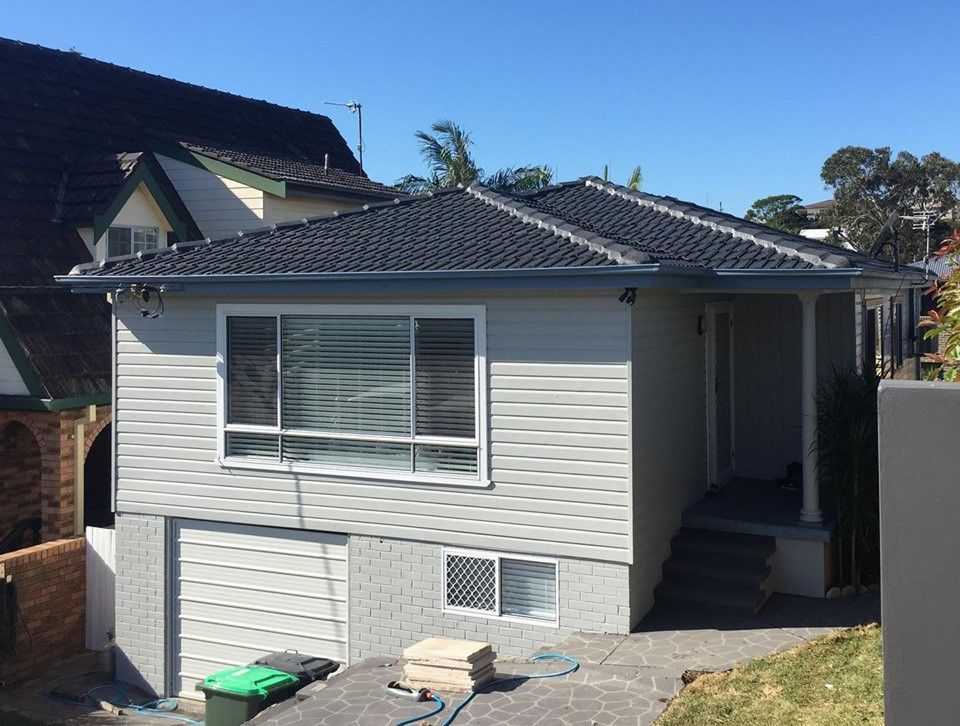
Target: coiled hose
[
  {"x": 160, "y": 709},
  {"x": 574, "y": 665}
]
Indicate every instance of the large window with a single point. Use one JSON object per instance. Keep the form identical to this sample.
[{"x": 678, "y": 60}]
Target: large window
[
  {"x": 130, "y": 240},
  {"x": 390, "y": 390}
]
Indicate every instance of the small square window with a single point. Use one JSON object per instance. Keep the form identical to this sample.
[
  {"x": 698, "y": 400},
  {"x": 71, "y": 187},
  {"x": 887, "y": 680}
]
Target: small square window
[
  {"x": 493, "y": 585},
  {"x": 130, "y": 240}
]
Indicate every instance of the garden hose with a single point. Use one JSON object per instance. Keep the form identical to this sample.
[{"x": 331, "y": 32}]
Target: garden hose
[{"x": 574, "y": 665}]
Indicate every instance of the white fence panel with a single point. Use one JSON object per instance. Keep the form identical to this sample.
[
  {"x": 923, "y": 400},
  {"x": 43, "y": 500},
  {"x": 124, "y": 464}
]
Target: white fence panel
[{"x": 101, "y": 581}]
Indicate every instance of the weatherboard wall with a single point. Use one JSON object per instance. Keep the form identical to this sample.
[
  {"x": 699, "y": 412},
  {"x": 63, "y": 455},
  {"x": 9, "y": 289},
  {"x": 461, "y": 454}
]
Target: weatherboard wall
[
  {"x": 221, "y": 207},
  {"x": 558, "y": 373}
]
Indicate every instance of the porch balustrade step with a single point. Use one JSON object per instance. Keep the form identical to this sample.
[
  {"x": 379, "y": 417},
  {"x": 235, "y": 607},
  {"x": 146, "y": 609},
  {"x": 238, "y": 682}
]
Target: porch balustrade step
[
  {"x": 711, "y": 593},
  {"x": 738, "y": 568},
  {"x": 728, "y": 543}
]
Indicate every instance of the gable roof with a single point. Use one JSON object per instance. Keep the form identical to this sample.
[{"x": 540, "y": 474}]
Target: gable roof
[
  {"x": 74, "y": 136},
  {"x": 299, "y": 171},
  {"x": 577, "y": 225},
  {"x": 94, "y": 190}
]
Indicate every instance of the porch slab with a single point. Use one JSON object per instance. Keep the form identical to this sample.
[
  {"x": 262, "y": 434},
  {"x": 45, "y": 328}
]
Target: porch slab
[{"x": 757, "y": 506}]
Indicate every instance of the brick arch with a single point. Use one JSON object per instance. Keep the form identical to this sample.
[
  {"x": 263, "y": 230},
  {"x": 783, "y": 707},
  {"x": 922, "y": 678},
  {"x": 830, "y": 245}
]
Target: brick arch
[{"x": 94, "y": 429}]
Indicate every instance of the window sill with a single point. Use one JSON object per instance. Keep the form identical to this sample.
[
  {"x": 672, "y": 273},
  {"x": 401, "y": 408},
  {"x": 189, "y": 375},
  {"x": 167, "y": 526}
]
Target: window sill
[
  {"x": 382, "y": 476},
  {"x": 503, "y": 618}
]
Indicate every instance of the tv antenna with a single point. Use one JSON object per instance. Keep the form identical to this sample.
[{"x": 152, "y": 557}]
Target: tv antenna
[
  {"x": 923, "y": 220},
  {"x": 355, "y": 107}
]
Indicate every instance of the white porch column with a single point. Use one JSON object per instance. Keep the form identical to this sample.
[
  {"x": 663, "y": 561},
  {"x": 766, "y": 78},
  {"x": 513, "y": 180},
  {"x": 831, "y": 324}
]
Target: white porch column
[{"x": 810, "y": 512}]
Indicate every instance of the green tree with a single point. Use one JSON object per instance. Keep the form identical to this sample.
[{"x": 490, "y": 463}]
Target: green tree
[
  {"x": 869, "y": 185},
  {"x": 447, "y": 151},
  {"x": 635, "y": 181},
  {"x": 945, "y": 320},
  {"x": 780, "y": 211}
]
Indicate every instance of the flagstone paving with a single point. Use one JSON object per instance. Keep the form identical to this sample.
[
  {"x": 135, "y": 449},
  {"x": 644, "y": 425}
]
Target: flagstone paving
[{"x": 623, "y": 679}]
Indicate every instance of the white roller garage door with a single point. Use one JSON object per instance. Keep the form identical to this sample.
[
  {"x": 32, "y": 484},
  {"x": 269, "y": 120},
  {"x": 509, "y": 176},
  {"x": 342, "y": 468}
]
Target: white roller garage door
[{"x": 244, "y": 591}]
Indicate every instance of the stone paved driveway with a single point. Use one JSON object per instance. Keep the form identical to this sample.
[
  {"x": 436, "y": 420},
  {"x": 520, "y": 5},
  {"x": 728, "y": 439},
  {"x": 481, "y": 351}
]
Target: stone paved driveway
[{"x": 623, "y": 679}]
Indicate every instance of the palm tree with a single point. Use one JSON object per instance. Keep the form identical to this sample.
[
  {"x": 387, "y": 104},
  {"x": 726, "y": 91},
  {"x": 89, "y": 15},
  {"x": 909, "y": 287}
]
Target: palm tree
[
  {"x": 448, "y": 157},
  {"x": 634, "y": 182}
]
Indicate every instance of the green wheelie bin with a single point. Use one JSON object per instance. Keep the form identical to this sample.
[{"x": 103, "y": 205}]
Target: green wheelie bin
[{"x": 235, "y": 695}]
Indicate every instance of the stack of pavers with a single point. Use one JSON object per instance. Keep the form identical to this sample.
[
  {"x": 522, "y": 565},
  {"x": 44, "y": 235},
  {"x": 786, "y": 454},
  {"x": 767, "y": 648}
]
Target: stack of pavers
[{"x": 445, "y": 665}]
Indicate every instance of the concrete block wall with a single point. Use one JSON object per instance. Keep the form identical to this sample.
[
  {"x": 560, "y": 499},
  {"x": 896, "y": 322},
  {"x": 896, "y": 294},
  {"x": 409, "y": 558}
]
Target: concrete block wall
[
  {"x": 141, "y": 579},
  {"x": 396, "y": 599}
]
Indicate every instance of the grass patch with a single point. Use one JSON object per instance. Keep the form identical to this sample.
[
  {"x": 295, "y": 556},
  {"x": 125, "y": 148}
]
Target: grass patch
[{"x": 835, "y": 680}]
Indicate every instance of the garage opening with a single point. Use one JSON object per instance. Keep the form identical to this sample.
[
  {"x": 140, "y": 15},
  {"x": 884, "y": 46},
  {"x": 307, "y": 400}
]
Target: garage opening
[
  {"x": 96, "y": 482},
  {"x": 241, "y": 592}
]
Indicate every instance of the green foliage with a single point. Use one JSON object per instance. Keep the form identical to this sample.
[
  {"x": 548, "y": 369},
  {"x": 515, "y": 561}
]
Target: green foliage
[
  {"x": 849, "y": 475},
  {"x": 945, "y": 320},
  {"x": 450, "y": 162},
  {"x": 635, "y": 181},
  {"x": 836, "y": 680},
  {"x": 780, "y": 211},
  {"x": 869, "y": 185}
]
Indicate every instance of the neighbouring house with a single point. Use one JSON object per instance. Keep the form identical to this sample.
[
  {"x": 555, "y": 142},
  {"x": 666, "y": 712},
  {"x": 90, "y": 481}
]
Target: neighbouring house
[
  {"x": 814, "y": 212},
  {"x": 469, "y": 415},
  {"x": 97, "y": 160}
]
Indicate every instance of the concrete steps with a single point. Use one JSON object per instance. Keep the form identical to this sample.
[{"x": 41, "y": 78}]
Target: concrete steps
[{"x": 720, "y": 571}]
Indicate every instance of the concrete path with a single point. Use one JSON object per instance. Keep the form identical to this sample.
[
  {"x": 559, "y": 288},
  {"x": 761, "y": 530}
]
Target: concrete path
[{"x": 623, "y": 679}]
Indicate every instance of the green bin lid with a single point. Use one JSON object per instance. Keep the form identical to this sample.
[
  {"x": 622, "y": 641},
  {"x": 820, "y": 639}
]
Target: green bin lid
[{"x": 247, "y": 681}]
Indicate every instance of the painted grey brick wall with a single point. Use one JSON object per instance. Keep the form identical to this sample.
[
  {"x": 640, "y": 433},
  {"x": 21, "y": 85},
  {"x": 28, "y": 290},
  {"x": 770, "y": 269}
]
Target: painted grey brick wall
[
  {"x": 396, "y": 600},
  {"x": 141, "y": 576}
]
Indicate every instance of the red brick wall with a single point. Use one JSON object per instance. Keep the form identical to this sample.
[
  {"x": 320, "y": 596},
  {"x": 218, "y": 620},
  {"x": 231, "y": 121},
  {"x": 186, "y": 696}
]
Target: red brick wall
[
  {"x": 54, "y": 432},
  {"x": 51, "y": 582},
  {"x": 19, "y": 476}
]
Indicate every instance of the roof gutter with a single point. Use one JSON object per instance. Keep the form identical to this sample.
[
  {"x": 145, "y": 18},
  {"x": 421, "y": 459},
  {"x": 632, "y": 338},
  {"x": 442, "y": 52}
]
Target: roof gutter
[{"x": 654, "y": 275}]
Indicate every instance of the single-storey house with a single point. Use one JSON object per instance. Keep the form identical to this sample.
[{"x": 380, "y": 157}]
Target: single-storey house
[
  {"x": 98, "y": 160},
  {"x": 470, "y": 415}
]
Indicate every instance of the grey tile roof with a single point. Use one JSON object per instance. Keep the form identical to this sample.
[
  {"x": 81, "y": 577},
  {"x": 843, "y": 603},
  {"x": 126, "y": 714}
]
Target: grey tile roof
[
  {"x": 586, "y": 223},
  {"x": 295, "y": 170}
]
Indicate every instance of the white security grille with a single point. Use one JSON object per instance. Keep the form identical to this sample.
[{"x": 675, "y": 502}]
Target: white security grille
[
  {"x": 471, "y": 583},
  {"x": 496, "y": 585}
]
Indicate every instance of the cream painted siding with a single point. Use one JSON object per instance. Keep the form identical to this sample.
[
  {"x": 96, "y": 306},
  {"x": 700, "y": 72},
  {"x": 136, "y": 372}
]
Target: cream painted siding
[
  {"x": 767, "y": 374},
  {"x": 669, "y": 430},
  {"x": 221, "y": 207},
  {"x": 277, "y": 209},
  {"x": 559, "y": 437},
  {"x": 11, "y": 383},
  {"x": 140, "y": 210}
]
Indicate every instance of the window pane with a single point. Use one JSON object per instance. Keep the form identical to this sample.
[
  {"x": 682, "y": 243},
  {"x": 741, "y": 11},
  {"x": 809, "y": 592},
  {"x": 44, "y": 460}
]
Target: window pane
[
  {"x": 336, "y": 452},
  {"x": 528, "y": 589},
  {"x": 145, "y": 239},
  {"x": 446, "y": 459},
  {"x": 252, "y": 371},
  {"x": 118, "y": 241},
  {"x": 261, "y": 446},
  {"x": 445, "y": 377},
  {"x": 346, "y": 374},
  {"x": 471, "y": 583}
]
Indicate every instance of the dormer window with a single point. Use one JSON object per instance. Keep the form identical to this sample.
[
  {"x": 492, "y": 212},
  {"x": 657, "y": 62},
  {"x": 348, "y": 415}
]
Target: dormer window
[{"x": 130, "y": 240}]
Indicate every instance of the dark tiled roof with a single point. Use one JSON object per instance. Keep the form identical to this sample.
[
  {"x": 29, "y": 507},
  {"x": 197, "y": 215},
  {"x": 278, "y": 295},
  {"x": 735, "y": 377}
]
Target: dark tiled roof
[
  {"x": 66, "y": 338},
  {"x": 696, "y": 234},
  {"x": 587, "y": 223},
  {"x": 60, "y": 112},
  {"x": 451, "y": 230},
  {"x": 296, "y": 171}
]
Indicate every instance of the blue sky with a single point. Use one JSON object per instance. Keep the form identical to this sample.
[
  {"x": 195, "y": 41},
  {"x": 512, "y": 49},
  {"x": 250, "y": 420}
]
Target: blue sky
[{"x": 720, "y": 102}]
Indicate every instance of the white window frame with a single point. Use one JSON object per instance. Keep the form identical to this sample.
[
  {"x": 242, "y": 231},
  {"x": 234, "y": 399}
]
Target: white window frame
[
  {"x": 133, "y": 228},
  {"x": 481, "y": 423},
  {"x": 497, "y": 557}
]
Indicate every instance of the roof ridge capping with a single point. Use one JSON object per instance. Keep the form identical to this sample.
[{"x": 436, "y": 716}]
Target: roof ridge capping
[
  {"x": 778, "y": 241},
  {"x": 615, "y": 251}
]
